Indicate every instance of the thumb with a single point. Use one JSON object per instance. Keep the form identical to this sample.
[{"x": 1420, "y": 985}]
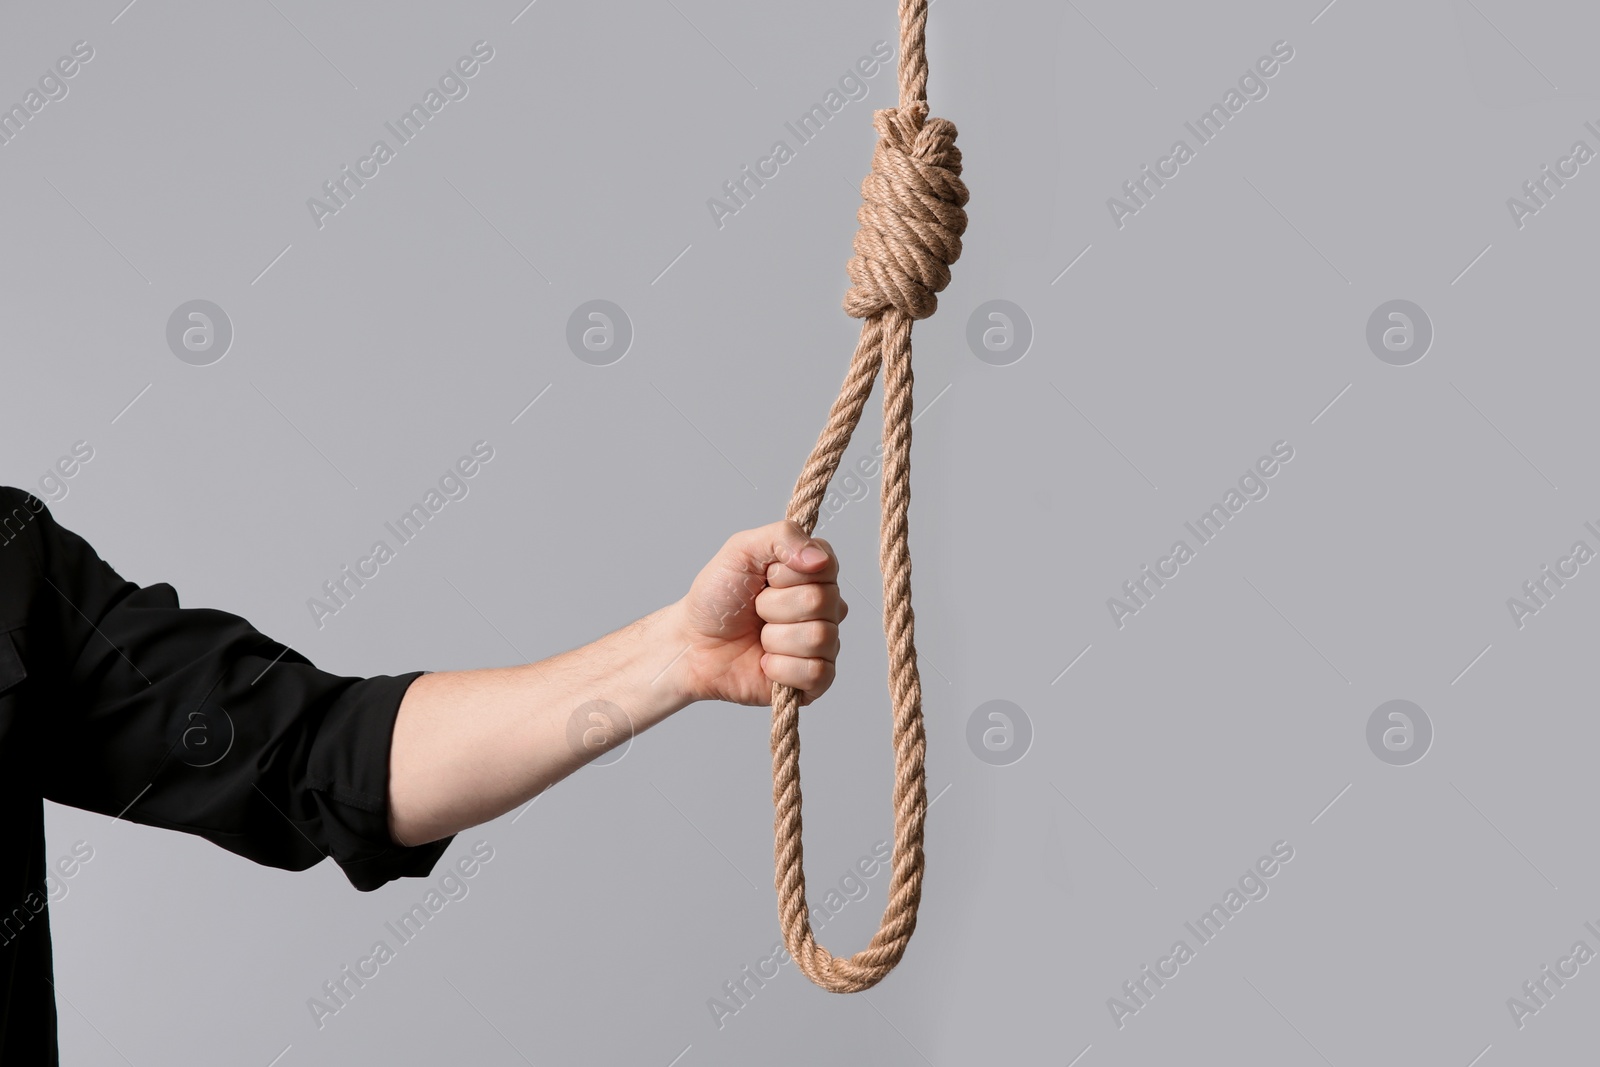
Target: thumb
[{"x": 784, "y": 546}]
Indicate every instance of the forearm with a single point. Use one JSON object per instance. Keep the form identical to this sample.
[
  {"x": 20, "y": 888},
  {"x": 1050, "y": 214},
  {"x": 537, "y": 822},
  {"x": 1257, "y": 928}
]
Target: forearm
[{"x": 471, "y": 745}]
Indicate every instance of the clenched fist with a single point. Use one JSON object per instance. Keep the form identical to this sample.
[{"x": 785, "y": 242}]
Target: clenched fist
[{"x": 765, "y": 609}]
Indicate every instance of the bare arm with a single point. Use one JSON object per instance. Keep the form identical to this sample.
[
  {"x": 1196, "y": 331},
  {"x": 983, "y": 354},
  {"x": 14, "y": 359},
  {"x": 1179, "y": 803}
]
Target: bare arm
[{"x": 471, "y": 745}]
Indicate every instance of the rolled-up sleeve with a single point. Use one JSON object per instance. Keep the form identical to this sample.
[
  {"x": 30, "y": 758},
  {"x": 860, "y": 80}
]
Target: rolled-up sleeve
[{"x": 192, "y": 720}]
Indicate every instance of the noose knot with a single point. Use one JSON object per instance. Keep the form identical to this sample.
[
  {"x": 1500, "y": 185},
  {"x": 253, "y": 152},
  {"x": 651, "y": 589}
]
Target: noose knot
[{"x": 912, "y": 215}]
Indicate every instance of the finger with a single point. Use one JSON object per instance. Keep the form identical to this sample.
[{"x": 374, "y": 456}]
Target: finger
[
  {"x": 816, "y": 639},
  {"x": 811, "y": 677},
  {"x": 802, "y": 603},
  {"x": 802, "y": 565}
]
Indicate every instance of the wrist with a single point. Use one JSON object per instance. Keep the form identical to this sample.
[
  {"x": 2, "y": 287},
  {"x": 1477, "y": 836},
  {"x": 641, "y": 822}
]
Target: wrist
[{"x": 665, "y": 661}]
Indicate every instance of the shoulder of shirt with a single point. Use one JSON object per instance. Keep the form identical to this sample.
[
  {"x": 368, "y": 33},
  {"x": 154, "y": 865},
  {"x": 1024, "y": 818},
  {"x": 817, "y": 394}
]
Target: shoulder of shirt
[
  {"x": 12, "y": 497},
  {"x": 19, "y": 513}
]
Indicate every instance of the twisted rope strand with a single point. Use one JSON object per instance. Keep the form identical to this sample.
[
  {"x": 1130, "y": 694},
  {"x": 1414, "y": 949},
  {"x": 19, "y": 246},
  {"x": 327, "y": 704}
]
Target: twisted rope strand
[{"x": 912, "y": 219}]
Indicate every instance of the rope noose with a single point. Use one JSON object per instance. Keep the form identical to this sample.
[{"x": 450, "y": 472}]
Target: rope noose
[{"x": 912, "y": 219}]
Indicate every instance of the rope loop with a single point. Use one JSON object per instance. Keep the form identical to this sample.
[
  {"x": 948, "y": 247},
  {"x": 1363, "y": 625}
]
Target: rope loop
[{"x": 912, "y": 218}]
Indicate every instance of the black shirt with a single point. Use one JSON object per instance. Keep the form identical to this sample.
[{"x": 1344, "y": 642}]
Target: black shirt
[{"x": 116, "y": 700}]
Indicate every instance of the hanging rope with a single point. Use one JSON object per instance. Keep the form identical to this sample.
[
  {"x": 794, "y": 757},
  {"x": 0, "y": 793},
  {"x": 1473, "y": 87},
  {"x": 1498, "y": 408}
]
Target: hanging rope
[{"x": 911, "y": 225}]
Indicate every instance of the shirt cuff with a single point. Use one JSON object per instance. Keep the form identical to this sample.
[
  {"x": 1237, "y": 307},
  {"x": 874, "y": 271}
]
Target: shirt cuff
[{"x": 349, "y": 779}]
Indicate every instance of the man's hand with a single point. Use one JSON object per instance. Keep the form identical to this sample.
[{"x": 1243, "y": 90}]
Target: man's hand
[
  {"x": 471, "y": 745},
  {"x": 765, "y": 609}
]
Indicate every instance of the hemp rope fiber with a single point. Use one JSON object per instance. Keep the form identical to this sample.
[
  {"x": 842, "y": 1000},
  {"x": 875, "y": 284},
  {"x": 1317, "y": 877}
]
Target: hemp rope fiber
[{"x": 912, "y": 219}]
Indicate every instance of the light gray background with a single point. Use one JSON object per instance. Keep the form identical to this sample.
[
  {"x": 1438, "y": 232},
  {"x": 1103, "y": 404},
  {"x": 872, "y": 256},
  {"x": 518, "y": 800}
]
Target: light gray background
[{"x": 1225, "y": 316}]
